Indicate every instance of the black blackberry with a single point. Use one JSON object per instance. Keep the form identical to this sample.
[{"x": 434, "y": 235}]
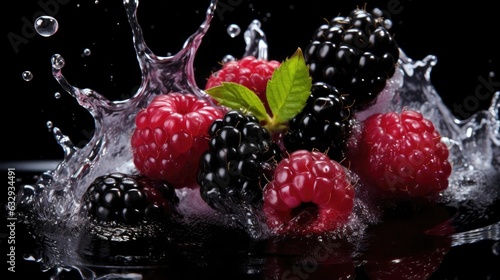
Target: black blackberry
[
  {"x": 238, "y": 163},
  {"x": 355, "y": 53},
  {"x": 323, "y": 124},
  {"x": 128, "y": 199}
]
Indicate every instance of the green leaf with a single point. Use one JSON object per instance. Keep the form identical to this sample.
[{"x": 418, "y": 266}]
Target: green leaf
[
  {"x": 239, "y": 97},
  {"x": 289, "y": 88}
]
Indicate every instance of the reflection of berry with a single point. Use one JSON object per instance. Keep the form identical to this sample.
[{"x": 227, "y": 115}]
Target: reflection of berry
[
  {"x": 354, "y": 53},
  {"x": 309, "y": 194},
  {"x": 307, "y": 267},
  {"x": 402, "y": 153},
  {"x": 308, "y": 257},
  {"x": 129, "y": 199},
  {"x": 407, "y": 249},
  {"x": 170, "y": 136},
  {"x": 249, "y": 71},
  {"x": 323, "y": 125},
  {"x": 234, "y": 169}
]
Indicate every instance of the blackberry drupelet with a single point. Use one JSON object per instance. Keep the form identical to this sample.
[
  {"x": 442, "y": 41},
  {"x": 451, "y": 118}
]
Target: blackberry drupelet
[
  {"x": 323, "y": 125},
  {"x": 355, "y": 53},
  {"x": 238, "y": 164},
  {"x": 118, "y": 198}
]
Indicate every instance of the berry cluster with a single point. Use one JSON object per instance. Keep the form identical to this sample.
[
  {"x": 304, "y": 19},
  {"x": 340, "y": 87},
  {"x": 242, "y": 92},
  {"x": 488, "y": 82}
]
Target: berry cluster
[{"x": 278, "y": 139}]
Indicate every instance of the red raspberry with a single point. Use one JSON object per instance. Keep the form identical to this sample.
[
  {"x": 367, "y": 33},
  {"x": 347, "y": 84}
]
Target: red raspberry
[
  {"x": 310, "y": 193},
  {"x": 170, "y": 136},
  {"x": 402, "y": 153},
  {"x": 249, "y": 71}
]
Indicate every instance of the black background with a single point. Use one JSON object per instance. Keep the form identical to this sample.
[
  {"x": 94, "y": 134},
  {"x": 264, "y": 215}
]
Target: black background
[{"x": 463, "y": 36}]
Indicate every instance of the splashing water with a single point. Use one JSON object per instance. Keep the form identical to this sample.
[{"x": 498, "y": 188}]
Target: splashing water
[{"x": 54, "y": 200}]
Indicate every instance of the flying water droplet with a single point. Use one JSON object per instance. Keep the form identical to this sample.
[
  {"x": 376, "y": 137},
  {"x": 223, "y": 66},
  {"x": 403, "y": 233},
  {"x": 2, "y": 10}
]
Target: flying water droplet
[
  {"x": 57, "y": 95},
  {"x": 496, "y": 248},
  {"x": 233, "y": 30},
  {"x": 228, "y": 58},
  {"x": 388, "y": 24},
  {"x": 46, "y": 26},
  {"x": 27, "y": 76},
  {"x": 57, "y": 61},
  {"x": 86, "y": 52},
  {"x": 49, "y": 125}
]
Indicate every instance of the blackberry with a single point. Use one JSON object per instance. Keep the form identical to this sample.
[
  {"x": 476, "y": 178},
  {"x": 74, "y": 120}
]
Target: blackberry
[
  {"x": 118, "y": 198},
  {"x": 355, "y": 53},
  {"x": 238, "y": 163},
  {"x": 323, "y": 124}
]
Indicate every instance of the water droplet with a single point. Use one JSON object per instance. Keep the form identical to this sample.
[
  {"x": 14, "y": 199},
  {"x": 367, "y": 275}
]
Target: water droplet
[
  {"x": 388, "y": 24},
  {"x": 496, "y": 248},
  {"x": 491, "y": 74},
  {"x": 57, "y": 61},
  {"x": 96, "y": 1},
  {"x": 57, "y": 95},
  {"x": 49, "y": 125},
  {"x": 27, "y": 76},
  {"x": 46, "y": 26},
  {"x": 86, "y": 52},
  {"x": 228, "y": 58},
  {"x": 233, "y": 30}
]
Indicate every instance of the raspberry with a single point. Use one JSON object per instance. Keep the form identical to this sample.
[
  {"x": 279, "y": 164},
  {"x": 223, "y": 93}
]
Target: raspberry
[
  {"x": 355, "y": 53},
  {"x": 323, "y": 125},
  {"x": 402, "y": 154},
  {"x": 309, "y": 194},
  {"x": 129, "y": 199},
  {"x": 249, "y": 71},
  {"x": 238, "y": 163},
  {"x": 170, "y": 137}
]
